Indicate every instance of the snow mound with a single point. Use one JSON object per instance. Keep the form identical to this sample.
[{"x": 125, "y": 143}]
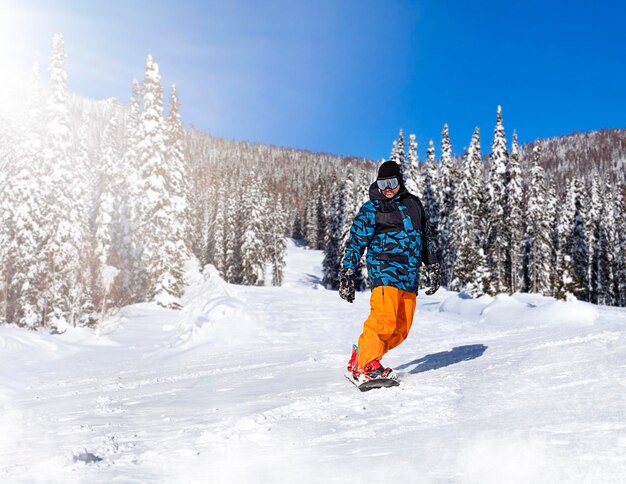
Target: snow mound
[
  {"x": 520, "y": 308},
  {"x": 18, "y": 340},
  {"x": 15, "y": 340},
  {"x": 211, "y": 313}
]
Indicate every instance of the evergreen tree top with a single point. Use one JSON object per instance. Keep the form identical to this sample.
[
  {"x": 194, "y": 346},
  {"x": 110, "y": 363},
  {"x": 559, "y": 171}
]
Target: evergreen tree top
[
  {"x": 446, "y": 146},
  {"x": 499, "y": 154},
  {"x": 174, "y": 103},
  {"x": 474, "y": 149},
  {"x": 430, "y": 154},
  {"x": 58, "y": 51},
  {"x": 514, "y": 145},
  {"x": 397, "y": 151}
]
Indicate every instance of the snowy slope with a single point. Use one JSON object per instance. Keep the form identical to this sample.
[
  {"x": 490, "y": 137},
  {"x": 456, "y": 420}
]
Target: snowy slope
[{"x": 246, "y": 385}]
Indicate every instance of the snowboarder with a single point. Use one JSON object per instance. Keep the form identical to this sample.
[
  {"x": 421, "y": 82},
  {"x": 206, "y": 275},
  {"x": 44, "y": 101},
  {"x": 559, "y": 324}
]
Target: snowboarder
[{"x": 392, "y": 226}]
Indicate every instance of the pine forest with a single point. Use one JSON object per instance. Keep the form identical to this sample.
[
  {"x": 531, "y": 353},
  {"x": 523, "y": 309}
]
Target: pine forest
[{"x": 105, "y": 203}]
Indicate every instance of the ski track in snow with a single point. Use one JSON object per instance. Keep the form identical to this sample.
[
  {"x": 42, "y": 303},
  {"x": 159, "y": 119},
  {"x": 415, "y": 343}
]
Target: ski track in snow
[{"x": 246, "y": 385}]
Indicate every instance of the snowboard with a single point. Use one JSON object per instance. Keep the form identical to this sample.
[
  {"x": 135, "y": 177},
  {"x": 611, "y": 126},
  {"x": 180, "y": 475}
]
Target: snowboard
[{"x": 372, "y": 384}]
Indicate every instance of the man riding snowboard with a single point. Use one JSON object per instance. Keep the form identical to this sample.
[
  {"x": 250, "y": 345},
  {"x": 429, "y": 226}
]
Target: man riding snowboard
[{"x": 392, "y": 226}]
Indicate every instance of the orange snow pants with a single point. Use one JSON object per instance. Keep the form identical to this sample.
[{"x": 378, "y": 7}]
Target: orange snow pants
[{"x": 388, "y": 324}]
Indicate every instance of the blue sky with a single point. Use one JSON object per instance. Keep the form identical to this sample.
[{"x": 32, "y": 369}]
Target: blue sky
[{"x": 344, "y": 76}]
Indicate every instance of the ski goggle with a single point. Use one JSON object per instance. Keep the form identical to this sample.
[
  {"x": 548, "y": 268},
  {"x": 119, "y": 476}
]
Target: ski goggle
[{"x": 387, "y": 183}]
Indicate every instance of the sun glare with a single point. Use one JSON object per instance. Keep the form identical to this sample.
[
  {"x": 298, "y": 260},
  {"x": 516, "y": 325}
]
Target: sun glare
[
  {"x": 12, "y": 41},
  {"x": 14, "y": 58}
]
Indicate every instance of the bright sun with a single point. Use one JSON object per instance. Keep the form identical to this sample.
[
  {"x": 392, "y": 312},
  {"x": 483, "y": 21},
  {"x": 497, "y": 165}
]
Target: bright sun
[
  {"x": 16, "y": 60},
  {"x": 13, "y": 46}
]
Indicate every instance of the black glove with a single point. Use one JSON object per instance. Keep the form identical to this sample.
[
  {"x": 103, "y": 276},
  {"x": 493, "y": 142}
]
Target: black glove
[
  {"x": 346, "y": 284},
  {"x": 433, "y": 278}
]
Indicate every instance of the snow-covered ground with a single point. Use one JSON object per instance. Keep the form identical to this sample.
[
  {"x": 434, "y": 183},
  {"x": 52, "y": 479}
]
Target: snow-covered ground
[{"x": 246, "y": 385}]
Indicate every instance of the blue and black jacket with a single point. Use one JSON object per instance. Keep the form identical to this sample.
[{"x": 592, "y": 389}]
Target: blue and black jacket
[{"x": 397, "y": 237}]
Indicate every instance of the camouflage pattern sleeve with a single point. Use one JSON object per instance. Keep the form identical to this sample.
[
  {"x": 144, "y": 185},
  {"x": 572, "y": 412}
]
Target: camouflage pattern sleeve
[{"x": 361, "y": 234}]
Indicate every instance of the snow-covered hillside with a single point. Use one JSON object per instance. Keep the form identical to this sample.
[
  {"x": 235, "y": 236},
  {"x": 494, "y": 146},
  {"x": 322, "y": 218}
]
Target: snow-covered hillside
[{"x": 246, "y": 385}]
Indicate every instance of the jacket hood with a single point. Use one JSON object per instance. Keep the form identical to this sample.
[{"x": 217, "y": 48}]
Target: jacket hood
[{"x": 375, "y": 193}]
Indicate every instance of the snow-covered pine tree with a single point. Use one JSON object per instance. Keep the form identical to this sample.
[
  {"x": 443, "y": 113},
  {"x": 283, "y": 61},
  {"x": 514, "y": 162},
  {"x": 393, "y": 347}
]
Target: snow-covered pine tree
[
  {"x": 551, "y": 207},
  {"x": 203, "y": 199},
  {"x": 430, "y": 198},
  {"x": 616, "y": 244},
  {"x": 311, "y": 225},
  {"x": 321, "y": 209},
  {"x": 496, "y": 238},
  {"x": 561, "y": 223},
  {"x": 579, "y": 252},
  {"x": 446, "y": 146},
  {"x": 620, "y": 249},
  {"x": 574, "y": 265},
  {"x": 134, "y": 129},
  {"x": 131, "y": 276},
  {"x": 350, "y": 202},
  {"x": 86, "y": 193},
  {"x": 446, "y": 160},
  {"x": 412, "y": 174},
  {"x": 278, "y": 246},
  {"x": 21, "y": 210},
  {"x": 107, "y": 220},
  {"x": 593, "y": 216},
  {"x": 470, "y": 271},
  {"x": 398, "y": 152},
  {"x": 447, "y": 181},
  {"x": 482, "y": 274},
  {"x": 432, "y": 190},
  {"x": 175, "y": 137},
  {"x": 253, "y": 249},
  {"x": 158, "y": 228},
  {"x": 87, "y": 171},
  {"x": 233, "y": 235},
  {"x": 124, "y": 250},
  {"x": 297, "y": 229},
  {"x": 219, "y": 256},
  {"x": 352, "y": 192},
  {"x": 537, "y": 243},
  {"x": 430, "y": 161},
  {"x": 178, "y": 171},
  {"x": 65, "y": 223},
  {"x": 22, "y": 238},
  {"x": 430, "y": 152},
  {"x": 604, "y": 285},
  {"x": 132, "y": 140},
  {"x": 83, "y": 166},
  {"x": 333, "y": 252},
  {"x": 361, "y": 195},
  {"x": 514, "y": 222},
  {"x": 151, "y": 183},
  {"x": 109, "y": 177}
]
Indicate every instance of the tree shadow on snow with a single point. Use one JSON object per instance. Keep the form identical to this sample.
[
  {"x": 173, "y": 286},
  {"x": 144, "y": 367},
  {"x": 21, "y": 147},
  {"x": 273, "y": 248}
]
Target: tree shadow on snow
[{"x": 445, "y": 358}]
